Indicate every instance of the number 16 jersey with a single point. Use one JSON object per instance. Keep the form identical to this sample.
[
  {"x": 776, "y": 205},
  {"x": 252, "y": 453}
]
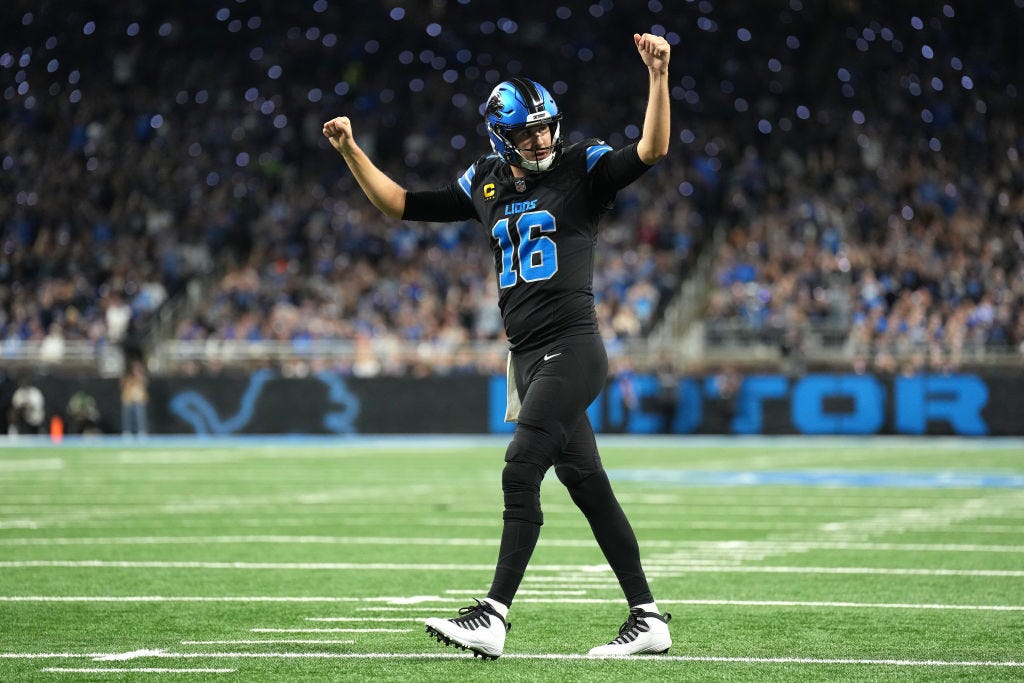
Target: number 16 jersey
[{"x": 543, "y": 232}]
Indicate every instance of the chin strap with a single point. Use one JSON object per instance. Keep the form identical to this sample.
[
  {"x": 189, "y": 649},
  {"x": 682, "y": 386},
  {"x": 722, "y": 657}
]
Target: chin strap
[{"x": 536, "y": 166}]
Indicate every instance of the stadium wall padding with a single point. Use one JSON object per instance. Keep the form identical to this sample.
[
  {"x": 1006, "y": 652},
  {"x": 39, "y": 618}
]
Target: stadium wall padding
[{"x": 966, "y": 404}]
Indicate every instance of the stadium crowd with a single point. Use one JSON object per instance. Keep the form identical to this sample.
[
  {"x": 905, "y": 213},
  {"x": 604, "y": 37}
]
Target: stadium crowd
[
  {"x": 866, "y": 165},
  {"x": 900, "y": 238}
]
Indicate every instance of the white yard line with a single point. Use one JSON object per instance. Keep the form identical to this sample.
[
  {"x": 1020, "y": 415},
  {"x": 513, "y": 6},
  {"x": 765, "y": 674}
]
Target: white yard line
[
  {"x": 89, "y": 520},
  {"x": 53, "y": 655},
  {"x": 889, "y": 571},
  {"x": 363, "y": 505},
  {"x": 569, "y": 587},
  {"x": 363, "y": 619},
  {"x": 576, "y": 579},
  {"x": 30, "y": 465},
  {"x": 438, "y": 602},
  {"x": 577, "y": 657},
  {"x": 19, "y": 524},
  {"x": 518, "y": 593},
  {"x": 331, "y": 630},
  {"x": 272, "y": 520},
  {"x": 334, "y": 566},
  {"x": 406, "y": 610},
  {"x": 591, "y": 569},
  {"x": 857, "y": 605},
  {"x": 290, "y": 641},
  {"x": 126, "y": 670},
  {"x": 182, "y": 598},
  {"x": 177, "y": 458}
]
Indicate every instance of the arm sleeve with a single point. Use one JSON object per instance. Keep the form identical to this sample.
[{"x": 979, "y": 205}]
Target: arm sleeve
[
  {"x": 449, "y": 203},
  {"x": 611, "y": 170}
]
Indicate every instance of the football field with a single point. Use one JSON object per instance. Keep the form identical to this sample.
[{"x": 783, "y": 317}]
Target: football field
[{"x": 301, "y": 559}]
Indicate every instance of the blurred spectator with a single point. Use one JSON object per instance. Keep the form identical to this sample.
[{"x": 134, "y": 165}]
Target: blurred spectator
[
  {"x": 724, "y": 390},
  {"x": 28, "y": 409},
  {"x": 665, "y": 400},
  {"x": 83, "y": 414},
  {"x": 134, "y": 400},
  {"x": 625, "y": 378}
]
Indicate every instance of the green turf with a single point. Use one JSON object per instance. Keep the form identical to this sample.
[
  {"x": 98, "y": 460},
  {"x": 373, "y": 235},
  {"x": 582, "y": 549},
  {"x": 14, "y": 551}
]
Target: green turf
[{"x": 402, "y": 533}]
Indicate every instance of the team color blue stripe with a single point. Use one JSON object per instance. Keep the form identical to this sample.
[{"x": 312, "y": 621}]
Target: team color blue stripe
[
  {"x": 595, "y": 152},
  {"x": 466, "y": 180}
]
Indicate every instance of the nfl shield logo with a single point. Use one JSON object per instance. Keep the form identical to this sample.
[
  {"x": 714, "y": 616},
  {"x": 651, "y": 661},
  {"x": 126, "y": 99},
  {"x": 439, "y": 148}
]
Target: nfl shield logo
[{"x": 520, "y": 184}]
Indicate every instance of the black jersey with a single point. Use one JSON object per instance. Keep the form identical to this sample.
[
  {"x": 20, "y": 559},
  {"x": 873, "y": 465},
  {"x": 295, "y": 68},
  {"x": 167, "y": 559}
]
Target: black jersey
[{"x": 543, "y": 230}]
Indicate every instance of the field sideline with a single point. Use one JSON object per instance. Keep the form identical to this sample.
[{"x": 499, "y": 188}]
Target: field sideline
[{"x": 792, "y": 559}]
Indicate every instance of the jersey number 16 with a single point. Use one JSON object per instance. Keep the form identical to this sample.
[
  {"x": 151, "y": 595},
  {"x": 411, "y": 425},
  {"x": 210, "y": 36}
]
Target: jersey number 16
[{"x": 538, "y": 255}]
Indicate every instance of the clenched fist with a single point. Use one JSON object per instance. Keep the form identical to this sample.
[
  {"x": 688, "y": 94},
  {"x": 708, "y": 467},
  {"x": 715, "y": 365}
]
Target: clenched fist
[
  {"x": 339, "y": 132},
  {"x": 654, "y": 50}
]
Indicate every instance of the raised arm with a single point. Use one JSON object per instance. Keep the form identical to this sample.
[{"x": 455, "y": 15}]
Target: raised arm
[
  {"x": 653, "y": 143},
  {"x": 385, "y": 193}
]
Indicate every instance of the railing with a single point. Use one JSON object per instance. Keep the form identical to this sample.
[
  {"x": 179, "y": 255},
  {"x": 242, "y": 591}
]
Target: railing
[
  {"x": 386, "y": 357},
  {"x": 389, "y": 357},
  {"x": 101, "y": 358},
  {"x": 826, "y": 346}
]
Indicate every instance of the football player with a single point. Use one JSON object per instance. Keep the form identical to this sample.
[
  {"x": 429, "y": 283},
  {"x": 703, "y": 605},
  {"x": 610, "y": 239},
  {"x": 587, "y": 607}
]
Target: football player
[{"x": 540, "y": 201}]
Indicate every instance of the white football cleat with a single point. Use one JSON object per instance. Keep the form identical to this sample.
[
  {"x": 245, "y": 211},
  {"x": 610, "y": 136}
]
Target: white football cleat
[
  {"x": 478, "y": 628},
  {"x": 644, "y": 633}
]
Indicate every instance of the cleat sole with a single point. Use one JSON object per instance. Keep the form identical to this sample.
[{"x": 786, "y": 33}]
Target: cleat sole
[{"x": 442, "y": 638}]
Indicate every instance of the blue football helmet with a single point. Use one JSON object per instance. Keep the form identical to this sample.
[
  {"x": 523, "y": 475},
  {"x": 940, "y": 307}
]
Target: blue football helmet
[{"x": 516, "y": 104}]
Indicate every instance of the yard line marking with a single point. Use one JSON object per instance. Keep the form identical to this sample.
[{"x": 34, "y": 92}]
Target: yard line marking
[
  {"x": 580, "y": 581},
  {"x": 673, "y": 524},
  {"x": 410, "y": 609},
  {"x": 360, "y": 619},
  {"x": 19, "y": 524},
  {"x": 332, "y": 630},
  {"x": 568, "y": 588},
  {"x": 161, "y": 564},
  {"x": 146, "y": 670},
  {"x": 171, "y": 598},
  {"x": 521, "y": 592},
  {"x": 52, "y": 655},
  {"x": 180, "y": 458},
  {"x": 783, "y": 603},
  {"x": 364, "y": 508},
  {"x": 264, "y": 642},
  {"x": 292, "y": 540},
  {"x": 134, "y": 654},
  {"x": 578, "y": 657},
  {"x": 799, "y": 546},
  {"x": 406, "y": 600},
  {"x": 31, "y": 465},
  {"x": 442, "y": 602},
  {"x": 892, "y": 571},
  {"x": 707, "y": 546},
  {"x": 860, "y": 605},
  {"x": 666, "y": 570}
]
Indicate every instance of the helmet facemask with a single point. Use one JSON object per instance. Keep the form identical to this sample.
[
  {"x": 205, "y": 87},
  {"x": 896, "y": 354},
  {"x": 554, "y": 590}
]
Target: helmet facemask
[{"x": 525, "y": 159}]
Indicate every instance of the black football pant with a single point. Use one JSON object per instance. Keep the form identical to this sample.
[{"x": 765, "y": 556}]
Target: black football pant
[{"x": 555, "y": 385}]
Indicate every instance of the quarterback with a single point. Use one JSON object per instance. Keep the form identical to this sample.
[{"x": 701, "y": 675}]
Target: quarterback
[{"x": 540, "y": 201}]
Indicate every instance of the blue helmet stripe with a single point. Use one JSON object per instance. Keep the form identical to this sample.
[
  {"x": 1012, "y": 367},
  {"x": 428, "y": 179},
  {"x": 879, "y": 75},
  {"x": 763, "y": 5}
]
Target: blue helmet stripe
[
  {"x": 595, "y": 152},
  {"x": 466, "y": 180}
]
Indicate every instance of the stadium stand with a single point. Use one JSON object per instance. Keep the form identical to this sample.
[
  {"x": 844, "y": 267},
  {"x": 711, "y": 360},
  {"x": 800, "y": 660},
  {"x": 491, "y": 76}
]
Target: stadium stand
[{"x": 853, "y": 177}]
